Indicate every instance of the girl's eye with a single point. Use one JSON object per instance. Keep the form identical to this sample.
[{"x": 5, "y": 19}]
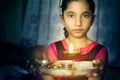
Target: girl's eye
[
  {"x": 86, "y": 15},
  {"x": 70, "y": 15}
]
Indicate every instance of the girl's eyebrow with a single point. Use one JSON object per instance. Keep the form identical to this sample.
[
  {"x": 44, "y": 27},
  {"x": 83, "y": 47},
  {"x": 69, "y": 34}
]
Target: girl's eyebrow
[
  {"x": 70, "y": 12},
  {"x": 88, "y": 12}
]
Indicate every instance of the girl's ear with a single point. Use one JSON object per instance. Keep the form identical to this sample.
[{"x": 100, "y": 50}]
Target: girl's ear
[{"x": 62, "y": 19}]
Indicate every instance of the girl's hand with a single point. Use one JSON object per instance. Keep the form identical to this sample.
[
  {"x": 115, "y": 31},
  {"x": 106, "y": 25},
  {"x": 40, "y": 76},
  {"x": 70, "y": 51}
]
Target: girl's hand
[{"x": 98, "y": 64}]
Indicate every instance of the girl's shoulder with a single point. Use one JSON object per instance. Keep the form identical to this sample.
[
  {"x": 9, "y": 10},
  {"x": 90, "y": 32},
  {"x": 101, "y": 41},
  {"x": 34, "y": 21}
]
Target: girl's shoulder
[
  {"x": 52, "y": 44},
  {"x": 103, "y": 46},
  {"x": 94, "y": 43}
]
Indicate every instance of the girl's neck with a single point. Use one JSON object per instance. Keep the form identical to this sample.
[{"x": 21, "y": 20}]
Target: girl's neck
[{"x": 78, "y": 42}]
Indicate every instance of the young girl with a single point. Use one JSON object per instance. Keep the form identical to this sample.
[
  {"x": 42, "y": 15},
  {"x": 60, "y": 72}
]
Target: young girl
[{"x": 77, "y": 17}]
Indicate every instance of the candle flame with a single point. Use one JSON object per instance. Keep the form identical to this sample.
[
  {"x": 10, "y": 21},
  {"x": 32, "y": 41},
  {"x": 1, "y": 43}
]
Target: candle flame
[{"x": 70, "y": 48}]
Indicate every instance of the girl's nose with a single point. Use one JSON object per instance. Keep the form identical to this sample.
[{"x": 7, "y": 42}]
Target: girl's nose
[{"x": 78, "y": 22}]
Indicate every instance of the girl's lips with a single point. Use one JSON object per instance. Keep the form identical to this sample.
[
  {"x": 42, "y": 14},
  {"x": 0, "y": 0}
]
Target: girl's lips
[{"x": 77, "y": 30}]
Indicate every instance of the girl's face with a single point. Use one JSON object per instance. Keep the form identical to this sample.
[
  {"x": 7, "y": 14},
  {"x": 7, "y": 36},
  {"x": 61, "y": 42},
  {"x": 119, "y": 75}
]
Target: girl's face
[{"x": 77, "y": 18}]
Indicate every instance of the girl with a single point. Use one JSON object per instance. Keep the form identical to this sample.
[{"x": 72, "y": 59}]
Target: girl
[{"x": 77, "y": 17}]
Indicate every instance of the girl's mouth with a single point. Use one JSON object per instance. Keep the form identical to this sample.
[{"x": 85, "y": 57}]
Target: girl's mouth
[{"x": 77, "y": 30}]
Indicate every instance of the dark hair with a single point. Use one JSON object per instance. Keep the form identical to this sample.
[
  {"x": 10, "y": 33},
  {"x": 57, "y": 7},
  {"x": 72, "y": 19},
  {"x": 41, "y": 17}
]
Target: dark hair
[{"x": 63, "y": 5}]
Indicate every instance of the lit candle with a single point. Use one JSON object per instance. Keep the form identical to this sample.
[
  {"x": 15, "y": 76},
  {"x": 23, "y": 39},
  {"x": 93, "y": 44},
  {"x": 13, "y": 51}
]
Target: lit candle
[{"x": 71, "y": 50}]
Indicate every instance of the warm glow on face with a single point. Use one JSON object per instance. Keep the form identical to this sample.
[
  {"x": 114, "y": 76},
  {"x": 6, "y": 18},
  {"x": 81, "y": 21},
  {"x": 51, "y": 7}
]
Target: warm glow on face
[{"x": 70, "y": 48}]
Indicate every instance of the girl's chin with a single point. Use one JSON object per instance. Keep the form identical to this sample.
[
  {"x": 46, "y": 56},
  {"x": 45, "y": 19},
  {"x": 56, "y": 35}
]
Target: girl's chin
[{"x": 78, "y": 36}]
